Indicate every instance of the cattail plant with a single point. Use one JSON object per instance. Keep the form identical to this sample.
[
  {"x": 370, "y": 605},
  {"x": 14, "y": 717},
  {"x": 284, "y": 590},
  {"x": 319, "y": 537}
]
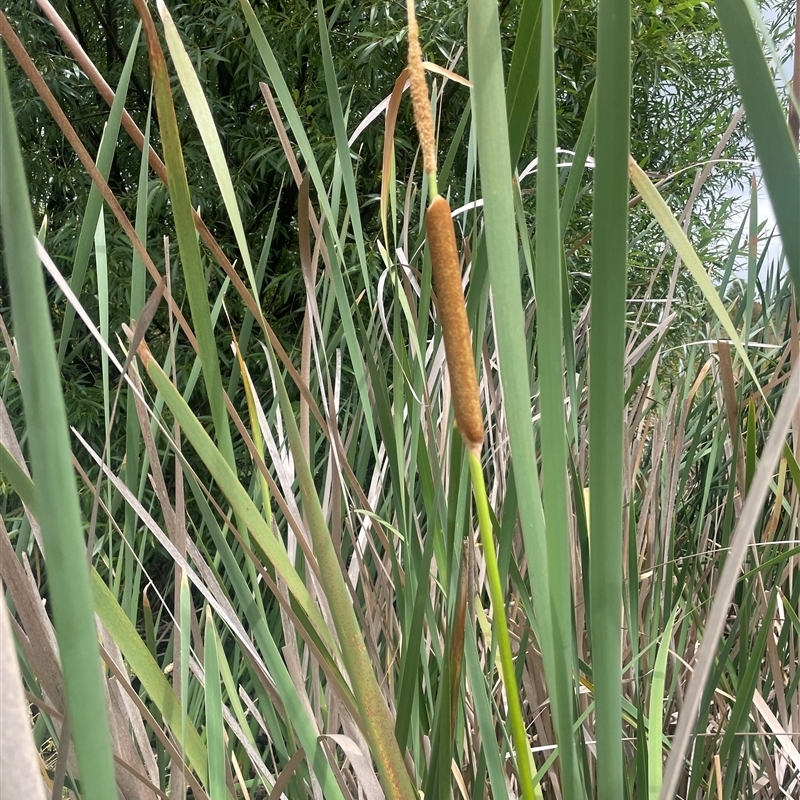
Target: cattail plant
[{"x": 466, "y": 398}]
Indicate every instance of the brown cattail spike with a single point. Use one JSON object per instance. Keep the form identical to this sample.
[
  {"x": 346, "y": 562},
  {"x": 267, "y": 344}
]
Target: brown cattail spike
[
  {"x": 453, "y": 316},
  {"x": 419, "y": 94}
]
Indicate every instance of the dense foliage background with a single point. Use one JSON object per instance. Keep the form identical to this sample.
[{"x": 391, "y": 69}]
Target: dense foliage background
[{"x": 683, "y": 97}]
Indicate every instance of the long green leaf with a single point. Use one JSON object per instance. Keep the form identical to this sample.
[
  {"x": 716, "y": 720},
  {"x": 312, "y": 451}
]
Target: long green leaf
[
  {"x": 606, "y": 382},
  {"x": 342, "y": 146},
  {"x": 677, "y": 237},
  {"x": 488, "y": 101},
  {"x": 215, "y": 736},
  {"x": 134, "y": 465},
  {"x": 550, "y": 350},
  {"x": 94, "y": 203},
  {"x": 148, "y": 672},
  {"x": 188, "y": 246},
  {"x": 51, "y": 466},
  {"x": 656, "y": 712},
  {"x": 208, "y": 133},
  {"x": 523, "y": 76},
  {"x": 768, "y": 127}
]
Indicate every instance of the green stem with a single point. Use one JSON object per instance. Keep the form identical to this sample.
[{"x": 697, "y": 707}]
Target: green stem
[
  {"x": 518, "y": 735},
  {"x": 433, "y": 187}
]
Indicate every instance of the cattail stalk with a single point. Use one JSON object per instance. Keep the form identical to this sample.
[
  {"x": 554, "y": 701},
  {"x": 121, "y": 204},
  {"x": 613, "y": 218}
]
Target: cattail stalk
[
  {"x": 464, "y": 383},
  {"x": 444, "y": 257}
]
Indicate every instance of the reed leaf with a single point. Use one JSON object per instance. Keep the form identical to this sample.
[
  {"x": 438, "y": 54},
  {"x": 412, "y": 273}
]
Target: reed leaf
[
  {"x": 777, "y": 154},
  {"x": 606, "y": 381},
  {"x": 51, "y": 467}
]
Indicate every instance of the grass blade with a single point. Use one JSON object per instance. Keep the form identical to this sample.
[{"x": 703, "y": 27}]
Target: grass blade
[
  {"x": 677, "y": 237},
  {"x": 488, "y": 99},
  {"x": 149, "y": 674},
  {"x": 59, "y": 512},
  {"x": 656, "y": 712},
  {"x": 187, "y": 238},
  {"x": 550, "y": 282},
  {"x": 768, "y": 126},
  {"x": 215, "y": 736},
  {"x": 523, "y": 76},
  {"x": 105, "y": 157},
  {"x": 342, "y": 147},
  {"x": 208, "y": 132},
  {"x": 606, "y": 390}
]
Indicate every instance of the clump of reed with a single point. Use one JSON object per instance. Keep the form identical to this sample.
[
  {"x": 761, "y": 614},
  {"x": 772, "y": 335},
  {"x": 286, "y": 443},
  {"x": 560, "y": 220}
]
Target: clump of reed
[{"x": 327, "y": 559}]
